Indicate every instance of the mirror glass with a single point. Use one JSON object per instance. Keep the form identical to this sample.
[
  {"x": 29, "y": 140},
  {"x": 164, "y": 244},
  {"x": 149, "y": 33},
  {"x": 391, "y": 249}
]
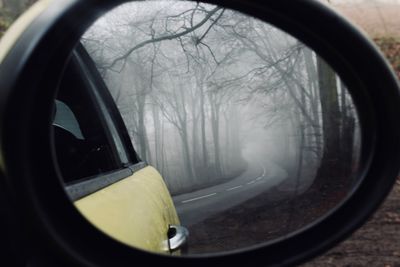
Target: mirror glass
[{"x": 187, "y": 128}]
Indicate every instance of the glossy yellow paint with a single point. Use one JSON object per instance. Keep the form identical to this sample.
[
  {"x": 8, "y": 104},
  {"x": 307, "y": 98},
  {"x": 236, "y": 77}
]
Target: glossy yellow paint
[
  {"x": 18, "y": 27},
  {"x": 136, "y": 211}
]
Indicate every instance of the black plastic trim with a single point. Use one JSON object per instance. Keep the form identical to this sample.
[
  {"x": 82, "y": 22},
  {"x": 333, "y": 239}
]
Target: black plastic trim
[
  {"x": 52, "y": 231},
  {"x": 80, "y": 189},
  {"x": 106, "y": 96}
]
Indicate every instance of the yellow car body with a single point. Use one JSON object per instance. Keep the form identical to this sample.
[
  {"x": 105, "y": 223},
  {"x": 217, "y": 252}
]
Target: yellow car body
[{"x": 136, "y": 210}]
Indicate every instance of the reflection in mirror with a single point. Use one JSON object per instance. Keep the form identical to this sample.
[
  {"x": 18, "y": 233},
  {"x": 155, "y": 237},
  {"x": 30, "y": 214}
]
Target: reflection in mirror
[{"x": 253, "y": 134}]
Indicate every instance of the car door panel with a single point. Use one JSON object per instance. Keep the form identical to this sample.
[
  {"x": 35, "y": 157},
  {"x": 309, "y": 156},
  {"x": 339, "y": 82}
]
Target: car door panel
[{"x": 136, "y": 210}]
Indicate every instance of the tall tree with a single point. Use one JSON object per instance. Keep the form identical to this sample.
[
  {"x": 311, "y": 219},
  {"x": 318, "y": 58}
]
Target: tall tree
[{"x": 333, "y": 174}]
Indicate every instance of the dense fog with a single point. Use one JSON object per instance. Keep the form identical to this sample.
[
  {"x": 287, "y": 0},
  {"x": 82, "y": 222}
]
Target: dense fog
[{"x": 206, "y": 92}]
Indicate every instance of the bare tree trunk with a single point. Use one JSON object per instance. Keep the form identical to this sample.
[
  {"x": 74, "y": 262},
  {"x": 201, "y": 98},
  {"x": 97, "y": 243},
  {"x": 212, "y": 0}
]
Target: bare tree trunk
[
  {"x": 197, "y": 165},
  {"x": 234, "y": 146},
  {"x": 157, "y": 137},
  {"x": 227, "y": 152},
  {"x": 187, "y": 158},
  {"x": 182, "y": 114},
  {"x": 16, "y": 7},
  {"x": 331, "y": 115},
  {"x": 142, "y": 128},
  {"x": 347, "y": 131},
  {"x": 314, "y": 101},
  {"x": 215, "y": 110},
  {"x": 235, "y": 130},
  {"x": 164, "y": 163},
  {"x": 298, "y": 125},
  {"x": 331, "y": 181},
  {"x": 203, "y": 127}
]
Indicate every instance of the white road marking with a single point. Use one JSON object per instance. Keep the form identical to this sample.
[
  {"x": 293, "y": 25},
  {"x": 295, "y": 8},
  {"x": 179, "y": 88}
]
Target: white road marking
[
  {"x": 230, "y": 189},
  {"x": 233, "y": 188},
  {"x": 260, "y": 177},
  {"x": 197, "y": 198}
]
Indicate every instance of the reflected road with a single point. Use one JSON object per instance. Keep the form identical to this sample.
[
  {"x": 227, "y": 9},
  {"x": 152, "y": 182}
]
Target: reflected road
[{"x": 197, "y": 206}]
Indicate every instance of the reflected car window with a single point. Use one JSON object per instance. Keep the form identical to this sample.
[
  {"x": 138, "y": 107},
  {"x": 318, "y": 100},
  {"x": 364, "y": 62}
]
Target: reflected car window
[
  {"x": 66, "y": 119},
  {"x": 83, "y": 146}
]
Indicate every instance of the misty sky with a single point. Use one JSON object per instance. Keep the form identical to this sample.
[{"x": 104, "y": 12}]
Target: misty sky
[{"x": 203, "y": 106}]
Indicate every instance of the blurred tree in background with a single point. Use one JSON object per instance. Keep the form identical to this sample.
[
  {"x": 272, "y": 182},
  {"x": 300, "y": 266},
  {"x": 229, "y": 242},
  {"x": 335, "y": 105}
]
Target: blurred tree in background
[
  {"x": 10, "y": 10},
  {"x": 380, "y": 20}
]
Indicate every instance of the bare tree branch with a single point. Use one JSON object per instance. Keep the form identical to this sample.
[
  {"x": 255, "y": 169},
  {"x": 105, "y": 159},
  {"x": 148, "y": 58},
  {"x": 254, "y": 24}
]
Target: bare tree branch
[{"x": 164, "y": 38}]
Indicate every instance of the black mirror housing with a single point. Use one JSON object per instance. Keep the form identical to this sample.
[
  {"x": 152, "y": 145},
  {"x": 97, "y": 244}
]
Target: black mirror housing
[{"x": 40, "y": 219}]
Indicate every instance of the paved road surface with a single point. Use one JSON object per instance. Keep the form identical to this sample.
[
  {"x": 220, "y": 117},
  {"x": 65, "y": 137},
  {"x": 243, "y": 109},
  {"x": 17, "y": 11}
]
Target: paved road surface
[{"x": 196, "y": 206}]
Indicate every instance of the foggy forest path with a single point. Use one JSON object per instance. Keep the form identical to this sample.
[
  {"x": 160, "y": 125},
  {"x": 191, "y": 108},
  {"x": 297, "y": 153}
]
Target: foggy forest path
[{"x": 197, "y": 206}]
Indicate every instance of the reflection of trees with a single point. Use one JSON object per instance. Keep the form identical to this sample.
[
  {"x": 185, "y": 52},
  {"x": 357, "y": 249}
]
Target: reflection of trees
[
  {"x": 338, "y": 125},
  {"x": 192, "y": 80}
]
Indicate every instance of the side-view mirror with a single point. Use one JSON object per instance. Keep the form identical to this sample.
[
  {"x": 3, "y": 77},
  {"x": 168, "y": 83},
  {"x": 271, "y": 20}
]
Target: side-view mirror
[{"x": 190, "y": 133}]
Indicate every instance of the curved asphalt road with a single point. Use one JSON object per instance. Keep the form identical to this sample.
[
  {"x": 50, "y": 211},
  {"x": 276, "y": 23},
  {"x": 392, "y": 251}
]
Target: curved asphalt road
[{"x": 196, "y": 206}]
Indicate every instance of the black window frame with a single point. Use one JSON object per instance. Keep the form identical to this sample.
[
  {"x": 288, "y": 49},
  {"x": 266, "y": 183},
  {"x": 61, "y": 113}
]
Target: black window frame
[
  {"x": 100, "y": 95},
  {"x": 88, "y": 65}
]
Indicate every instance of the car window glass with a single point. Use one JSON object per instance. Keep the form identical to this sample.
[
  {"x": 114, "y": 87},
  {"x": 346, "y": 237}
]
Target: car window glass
[
  {"x": 84, "y": 144},
  {"x": 66, "y": 119}
]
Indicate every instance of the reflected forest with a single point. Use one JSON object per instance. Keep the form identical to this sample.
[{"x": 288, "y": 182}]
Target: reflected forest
[{"x": 209, "y": 94}]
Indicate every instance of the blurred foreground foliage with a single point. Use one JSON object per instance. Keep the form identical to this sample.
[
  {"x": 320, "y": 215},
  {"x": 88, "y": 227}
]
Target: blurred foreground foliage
[
  {"x": 5, "y": 21},
  {"x": 10, "y": 10},
  {"x": 390, "y": 46}
]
